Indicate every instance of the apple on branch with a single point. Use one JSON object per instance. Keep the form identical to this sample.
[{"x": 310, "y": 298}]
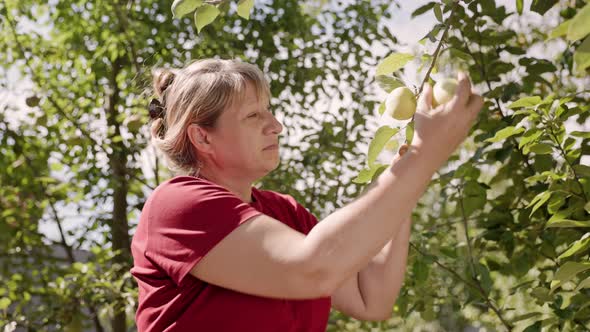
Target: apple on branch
[
  {"x": 443, "y": 91},
  {"x": 400, "y": 103}
]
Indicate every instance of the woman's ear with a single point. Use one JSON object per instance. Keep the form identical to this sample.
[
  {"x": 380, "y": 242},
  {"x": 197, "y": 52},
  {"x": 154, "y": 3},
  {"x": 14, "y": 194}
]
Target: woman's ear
[{"x": 199, "y": 138}]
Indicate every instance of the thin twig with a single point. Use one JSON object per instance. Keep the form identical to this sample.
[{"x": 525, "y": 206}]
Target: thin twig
[
  {"x": 577, "y": 178},
  {"x": 466, "y": 229},
  {"x": 438, "y": 47},
  {"x": 477, "y": 287},
  {"x": 58, "y": 221}
]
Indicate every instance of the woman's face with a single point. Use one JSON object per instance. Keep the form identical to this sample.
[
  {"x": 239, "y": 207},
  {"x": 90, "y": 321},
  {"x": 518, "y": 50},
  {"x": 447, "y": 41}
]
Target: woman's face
[{"x": 245, "y": 139}]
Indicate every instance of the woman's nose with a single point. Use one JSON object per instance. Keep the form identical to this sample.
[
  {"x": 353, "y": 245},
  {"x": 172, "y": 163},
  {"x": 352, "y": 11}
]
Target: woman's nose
[{"x": 275, "y": 127}]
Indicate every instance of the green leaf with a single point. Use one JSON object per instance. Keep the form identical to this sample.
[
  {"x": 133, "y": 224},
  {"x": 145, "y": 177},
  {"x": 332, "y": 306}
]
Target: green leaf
[
  {"x": 541, "y": 148},
  {"x": 525, "y": 102},
  {"x": 483, "y": 275},
  {"x": 556, "y": 202},
  {"x": 381, "y": 108},
  {"x": 582, "y": 134},
  {"x": 474, "y": 197},
  {"x": 366, "y": 175},
  {"x": 504, "y": 133},
  {"x": 542, "y": 6},
  {"x": 567, "y": 223},
  {"x": 583, "y": 284},
  {"x": 205, "y": 15},
  {"x": 546, "y": 175},
  {"x": 577, "y": 247},
  {"x": 582, "y": 170},
  {"x": 392, "y": 63},
  {"x": 244, "y": 8},
  {"x": 539, "y": 200},
  {"x": 392, "y": 145},
  {"x": 527, "y": 111},
  {"x": 380, "y": 168},
  {"x": 567, "y": 272},
  {"x": 4, "y": 303},
  {"x": 438, "y": 12},
  {"x": 560, "y": 30},
  {"x": 525, "y": 317},
  {"x": 181, "y": 8},
  {"x": 420, "y": 270},
  {"x": 423, "y": 9},
  {"x": 535, "y": 327},
  {"x": 409, "y": 133},
  {"x": 519, "y": 6},
  {"x": 582, "y": 56},
  {"x": 542, "y": 294},
  {"x": 579, "y": 26},
  {"x": 456, "y": 53},
  {"x": 530, "y": 135},
  {"x": 382, "y": 135},
  {"x": 56, "y": 166},
  {"x": 135, "y": 124},
  {"x": 388, "y": 83},
  {"x": 587, "y": 207}
]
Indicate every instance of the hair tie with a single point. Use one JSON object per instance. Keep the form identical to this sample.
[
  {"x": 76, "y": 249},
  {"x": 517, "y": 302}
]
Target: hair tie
[{"x": 156, "y": 109}]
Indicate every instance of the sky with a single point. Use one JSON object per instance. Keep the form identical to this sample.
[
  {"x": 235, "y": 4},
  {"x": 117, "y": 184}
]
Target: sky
[{"x": 407, "y": 30}]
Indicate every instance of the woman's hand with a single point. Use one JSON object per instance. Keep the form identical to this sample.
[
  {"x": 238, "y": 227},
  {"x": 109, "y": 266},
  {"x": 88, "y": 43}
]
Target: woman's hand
[
  {"x": 439, "y": 131},
  {"x": 402, "y": 150}
]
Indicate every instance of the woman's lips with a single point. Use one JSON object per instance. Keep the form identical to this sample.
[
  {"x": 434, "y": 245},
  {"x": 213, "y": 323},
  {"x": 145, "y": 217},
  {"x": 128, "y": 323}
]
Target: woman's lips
[{"x": 271, "y": 147}]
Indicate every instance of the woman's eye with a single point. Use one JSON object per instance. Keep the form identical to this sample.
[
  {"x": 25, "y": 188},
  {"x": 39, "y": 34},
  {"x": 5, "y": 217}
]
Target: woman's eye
[{"x": 253, "y": 115}]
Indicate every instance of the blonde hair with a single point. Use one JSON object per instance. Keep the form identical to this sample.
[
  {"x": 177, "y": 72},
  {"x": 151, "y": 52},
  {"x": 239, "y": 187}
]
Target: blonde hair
[{"x": 198, "y": 93}]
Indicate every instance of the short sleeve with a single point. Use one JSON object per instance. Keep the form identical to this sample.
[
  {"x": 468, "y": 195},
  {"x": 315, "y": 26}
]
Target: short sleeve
[
  {"x": 187, "y": 219},
  {"x": 306, "y": 219}
]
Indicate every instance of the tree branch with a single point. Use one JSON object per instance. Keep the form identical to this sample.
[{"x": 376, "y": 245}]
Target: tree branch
[
  {"x": 466, "y": 229},
  {"x": 438, "y": 47},
  {"x": 576, "y": 177},
  {"x": 477, "y": 287}
]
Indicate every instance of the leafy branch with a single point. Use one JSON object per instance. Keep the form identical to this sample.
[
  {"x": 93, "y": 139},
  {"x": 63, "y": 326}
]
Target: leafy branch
[
  {"x": 55, "y": 104},
  {"x": 440, "y": 43},
  {"x": 475, "y": 286},
  {"x": 576, "y": 177},
  {"x": 498, "y": 104},
  {"x": 466, "y": 229}
]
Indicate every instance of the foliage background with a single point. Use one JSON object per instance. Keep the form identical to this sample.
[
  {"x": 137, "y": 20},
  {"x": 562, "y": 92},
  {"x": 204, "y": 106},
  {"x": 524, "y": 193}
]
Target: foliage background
[{"x": 499, "y": 240}]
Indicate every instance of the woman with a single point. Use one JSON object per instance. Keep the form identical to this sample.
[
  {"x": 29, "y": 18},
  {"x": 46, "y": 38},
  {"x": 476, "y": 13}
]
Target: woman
[{"x": 213, "y": 253}]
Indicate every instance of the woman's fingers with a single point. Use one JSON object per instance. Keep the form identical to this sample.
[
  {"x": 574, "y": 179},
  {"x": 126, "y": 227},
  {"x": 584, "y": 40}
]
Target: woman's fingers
[
  {"x": 463, "y": 89},
  {"x": 403, "y": 149},
  {"x": 475, "y": 103},
  {"x": 425, "y": 99}
]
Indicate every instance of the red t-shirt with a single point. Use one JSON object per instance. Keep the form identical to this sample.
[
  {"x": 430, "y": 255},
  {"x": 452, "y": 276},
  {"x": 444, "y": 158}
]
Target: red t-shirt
[{"x": 181, "y": 221}]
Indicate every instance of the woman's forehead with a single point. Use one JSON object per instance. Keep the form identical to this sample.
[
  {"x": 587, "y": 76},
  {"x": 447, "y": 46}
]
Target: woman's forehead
[{"x": 253, "y": 98}]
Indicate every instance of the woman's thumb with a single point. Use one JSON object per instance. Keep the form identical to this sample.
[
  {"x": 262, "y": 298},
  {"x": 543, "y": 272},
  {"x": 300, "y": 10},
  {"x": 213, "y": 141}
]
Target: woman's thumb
[
  {"x": 402, "y": 150},
  {"x": 425, "y": 99}
]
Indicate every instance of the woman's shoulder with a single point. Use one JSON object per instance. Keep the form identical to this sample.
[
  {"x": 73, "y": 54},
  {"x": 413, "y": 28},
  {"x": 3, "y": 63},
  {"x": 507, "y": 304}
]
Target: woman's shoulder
[
  {"x": 187, "y": 191},
  {"x": 185, "y": 183}
]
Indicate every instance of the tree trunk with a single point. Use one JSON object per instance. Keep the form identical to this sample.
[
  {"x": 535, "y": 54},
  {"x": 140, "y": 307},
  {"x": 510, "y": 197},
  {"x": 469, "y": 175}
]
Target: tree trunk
[{"x": 118, "y": 182}]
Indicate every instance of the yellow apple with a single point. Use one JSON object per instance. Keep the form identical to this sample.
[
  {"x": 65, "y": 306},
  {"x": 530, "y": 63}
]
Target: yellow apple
[
  {"x": 400, "y": 103},
  {"x": 444, "y": 90}
]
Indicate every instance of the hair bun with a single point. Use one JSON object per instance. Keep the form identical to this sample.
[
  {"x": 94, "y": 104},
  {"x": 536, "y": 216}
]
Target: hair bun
[{"x": 162, "y": 80}]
